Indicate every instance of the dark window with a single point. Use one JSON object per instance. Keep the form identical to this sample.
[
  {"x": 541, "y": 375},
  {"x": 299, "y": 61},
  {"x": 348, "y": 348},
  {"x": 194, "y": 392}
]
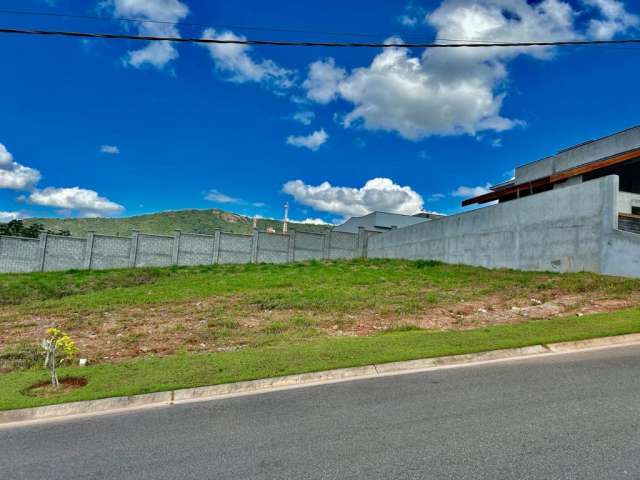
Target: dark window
[{"x": 635, "y": 210}]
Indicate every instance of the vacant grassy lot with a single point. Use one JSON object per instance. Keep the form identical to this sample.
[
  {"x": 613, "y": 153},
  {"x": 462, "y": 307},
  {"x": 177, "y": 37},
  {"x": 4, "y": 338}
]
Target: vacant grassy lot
[
  {"x": 123, "y": 314},
  {"x": 283, "y": 357}
]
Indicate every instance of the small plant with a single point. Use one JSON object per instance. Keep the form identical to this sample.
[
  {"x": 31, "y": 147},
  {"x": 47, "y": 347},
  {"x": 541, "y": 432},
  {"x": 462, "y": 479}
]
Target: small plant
[{"x": 58, "y": 347}]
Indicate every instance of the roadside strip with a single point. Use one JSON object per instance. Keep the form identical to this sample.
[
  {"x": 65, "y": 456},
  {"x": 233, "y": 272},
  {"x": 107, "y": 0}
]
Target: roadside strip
[{"x": 120, "y": 404}]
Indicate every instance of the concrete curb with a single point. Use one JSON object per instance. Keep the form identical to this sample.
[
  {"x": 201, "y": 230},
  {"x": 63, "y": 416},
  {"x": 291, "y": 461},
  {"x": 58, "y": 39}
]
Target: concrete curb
[{"x": 212, "y": 392}]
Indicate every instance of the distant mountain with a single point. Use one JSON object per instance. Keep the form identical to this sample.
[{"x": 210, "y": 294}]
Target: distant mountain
[{"x": 164, "y": 223}]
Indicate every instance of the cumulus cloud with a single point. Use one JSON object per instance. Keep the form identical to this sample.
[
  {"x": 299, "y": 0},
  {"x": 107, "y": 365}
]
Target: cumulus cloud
[
  {"x": 304, "y": 118},
  {"x": 86, "y": 202},
  {"x": 412, "y": 16},
  {"x": 471, "y": 191},
  {"x": 218, "y": 197},
  {"x": 312, "y": 141},
  {"x": 377, "y": 194},
  {"x": 155, "y": 54},
  {"x": 408, "y": 20},
  {"x": 323, "y": 80},
  {"x": 311, "y": 221},
  {"x": 6, "y": 217},
  {"x": 110, "y": 149},
  {"x": 615, "y": 19},
  {"x": 14, "y": 176},
  {"x": 235, "y": 60},
  {"x": 445, "y": 91}
]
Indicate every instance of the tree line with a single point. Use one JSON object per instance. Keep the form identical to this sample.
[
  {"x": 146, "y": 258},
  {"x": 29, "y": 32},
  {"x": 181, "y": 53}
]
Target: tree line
[{"x": 17, "y": 228}]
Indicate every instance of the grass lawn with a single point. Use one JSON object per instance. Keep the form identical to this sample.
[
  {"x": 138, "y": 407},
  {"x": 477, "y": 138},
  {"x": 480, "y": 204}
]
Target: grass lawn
[
  {"x": 284, "y": 357},
  {"x": 120, "y": 315},
  {"x": 154, "y": 329}
]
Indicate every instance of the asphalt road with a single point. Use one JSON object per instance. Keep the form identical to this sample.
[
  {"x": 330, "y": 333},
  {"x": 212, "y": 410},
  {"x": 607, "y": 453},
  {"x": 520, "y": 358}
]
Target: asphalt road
[{"x": 565, "y": 417}]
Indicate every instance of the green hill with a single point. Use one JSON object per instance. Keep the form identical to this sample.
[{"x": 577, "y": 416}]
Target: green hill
[{"x": 164, "y": 223}]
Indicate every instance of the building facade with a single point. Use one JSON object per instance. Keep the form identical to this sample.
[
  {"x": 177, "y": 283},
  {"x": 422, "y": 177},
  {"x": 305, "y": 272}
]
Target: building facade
[{"x": 578, "y": 210}]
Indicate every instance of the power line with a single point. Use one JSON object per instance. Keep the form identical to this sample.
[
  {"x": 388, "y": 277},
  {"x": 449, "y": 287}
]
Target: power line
[
  {"x": 193, "y": 24},
  {"x": 149, "y": 38}
]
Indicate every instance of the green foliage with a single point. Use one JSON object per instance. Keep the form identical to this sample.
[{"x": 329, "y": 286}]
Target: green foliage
[
  {"x": 65, "y": 347},
  {"x": 390, "y": 287},
  {"x": 17, "y": 228},
  {"x": 59, "y": 348},
  {"x": 22, "y": 355}
]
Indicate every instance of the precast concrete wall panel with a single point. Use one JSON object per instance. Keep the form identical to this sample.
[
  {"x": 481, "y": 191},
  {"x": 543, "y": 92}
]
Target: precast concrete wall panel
[
  {"x": 64, "y": 253},
  {"x": 196, "y": 249},
  {"x": 19, "y": 254},
  {"x": 235, "y": 248},
  {"x": 273, "y": 248},
  {"x": 343, "y": 245},
  {"x": 110, "y": 252},
  {"x": 308, "y": 246},
  {"x": 154, "y": 251}
]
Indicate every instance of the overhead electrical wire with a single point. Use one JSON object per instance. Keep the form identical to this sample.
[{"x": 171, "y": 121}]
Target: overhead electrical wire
[{"x": 278, "y": 43}]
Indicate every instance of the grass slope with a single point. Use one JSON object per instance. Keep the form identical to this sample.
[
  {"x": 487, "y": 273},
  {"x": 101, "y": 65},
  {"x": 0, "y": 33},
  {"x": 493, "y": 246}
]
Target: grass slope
[
  {"x": 283, "y": 358},
  {"x": 226, "y": 323},
  {"x": 164, "y": 223}
]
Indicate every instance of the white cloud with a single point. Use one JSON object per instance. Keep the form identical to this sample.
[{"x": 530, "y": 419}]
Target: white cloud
[
  {"x": 445, "y": 91},
  {"x": 304, "y": 118},
  {"x": 323, "y": 80},
  {"x": 377, "y": 194},
  {"x": 156, "y": 54},
  {"x": 615, "y": 19},
  {"x": 311, "y": 221},
  {"x": 471, "y": 191},
  {"x": 408, "y": 20},
  {"x": 86, "y": 202},
  {"x": 15, "y": 176},
  {"x": 6, "y": 217},
  {"x": 219, "y": 197},
  {"x": 312, "y": 141},
  {"x": 235, "y": 60},
  {"x": 110, "y": 149}
]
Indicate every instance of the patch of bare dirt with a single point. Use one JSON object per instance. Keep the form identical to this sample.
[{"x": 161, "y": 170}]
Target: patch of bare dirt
[{"x": 223, "y": 325}]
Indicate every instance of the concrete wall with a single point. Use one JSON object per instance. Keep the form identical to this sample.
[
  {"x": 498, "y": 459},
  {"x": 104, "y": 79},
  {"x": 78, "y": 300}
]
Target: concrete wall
[
  {"x": 559, "y": 230},
  {"x": 627, "y": 200},
  {"x": 53, "y": 252}
]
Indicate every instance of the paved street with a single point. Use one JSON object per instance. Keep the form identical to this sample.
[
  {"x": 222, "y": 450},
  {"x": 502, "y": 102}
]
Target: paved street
[{"x": 564, "y": 417}]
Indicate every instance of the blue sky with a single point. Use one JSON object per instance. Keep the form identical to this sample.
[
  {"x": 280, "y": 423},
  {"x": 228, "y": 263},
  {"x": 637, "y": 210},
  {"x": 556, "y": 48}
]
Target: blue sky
[{"x": 122, "y": 128}]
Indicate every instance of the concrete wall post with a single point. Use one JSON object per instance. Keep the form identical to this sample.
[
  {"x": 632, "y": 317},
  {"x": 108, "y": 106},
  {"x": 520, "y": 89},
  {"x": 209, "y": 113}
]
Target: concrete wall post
[
  {"x": 326, "y": 246},
  {"x": 133, "y": 252},
  {"x": 292, "y": 246},
  {"x": 215, "y": 258},
  {"x": 362, "y": 243},
  {"x": 175, "y": 250},
  {"x": 88, "y": 249},
  {"x": 254, "y": 246},
  {"x": 42, "y": 251}
]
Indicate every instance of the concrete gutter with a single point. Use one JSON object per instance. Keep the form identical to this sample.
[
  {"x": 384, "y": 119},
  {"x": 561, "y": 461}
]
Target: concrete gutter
[{"x": 120, "y": 404}]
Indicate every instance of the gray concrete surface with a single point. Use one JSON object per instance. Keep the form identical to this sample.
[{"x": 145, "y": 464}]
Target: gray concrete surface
[
  {"x": 564, "y": 417},
  {"x": 560, "y": 230},
  {"x": 51, "y": 252}
]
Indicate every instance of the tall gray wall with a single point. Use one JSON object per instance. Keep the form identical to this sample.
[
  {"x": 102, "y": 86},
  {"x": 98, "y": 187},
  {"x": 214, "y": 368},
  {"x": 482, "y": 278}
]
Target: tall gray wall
[
  {"x": 51, "y": 252},
  {"x": 559, "y": 230}
]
